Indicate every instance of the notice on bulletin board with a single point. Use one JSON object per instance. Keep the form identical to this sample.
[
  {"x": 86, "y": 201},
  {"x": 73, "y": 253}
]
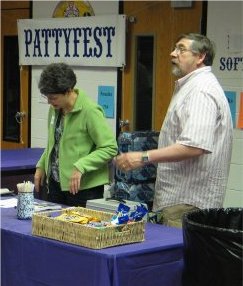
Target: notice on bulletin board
[
  {"x": 231, "y": 96},
  {"x": 106, "y": 100},
  {"x": 240, "y": 119}
]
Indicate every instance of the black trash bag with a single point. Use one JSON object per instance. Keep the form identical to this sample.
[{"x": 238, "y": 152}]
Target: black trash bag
[{"x": 213, "y": 247}]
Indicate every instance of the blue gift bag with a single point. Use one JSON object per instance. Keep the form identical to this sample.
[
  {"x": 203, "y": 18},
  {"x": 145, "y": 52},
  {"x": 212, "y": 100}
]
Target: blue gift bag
[{"x": 136, "y": 185}]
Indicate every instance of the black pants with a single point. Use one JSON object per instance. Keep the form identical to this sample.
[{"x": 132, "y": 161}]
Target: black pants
[{"x": 56, "y": 195}]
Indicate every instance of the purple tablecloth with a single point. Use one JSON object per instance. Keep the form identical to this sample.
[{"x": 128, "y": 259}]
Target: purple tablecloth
[
  {"x": 28, "y": 260},
  {"x": 19, "y": 159}
]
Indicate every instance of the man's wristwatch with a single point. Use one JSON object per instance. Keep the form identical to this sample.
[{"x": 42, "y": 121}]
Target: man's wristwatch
[{"x": 145, "y": 157}]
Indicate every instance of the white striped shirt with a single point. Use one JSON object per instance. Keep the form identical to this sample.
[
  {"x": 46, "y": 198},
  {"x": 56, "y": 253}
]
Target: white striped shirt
[{"x": 198, "y": 116}]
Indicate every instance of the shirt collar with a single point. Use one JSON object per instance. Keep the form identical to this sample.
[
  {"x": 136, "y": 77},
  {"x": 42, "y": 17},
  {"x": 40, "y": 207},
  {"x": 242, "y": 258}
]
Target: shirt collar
[{"x": 192, "y": 74}]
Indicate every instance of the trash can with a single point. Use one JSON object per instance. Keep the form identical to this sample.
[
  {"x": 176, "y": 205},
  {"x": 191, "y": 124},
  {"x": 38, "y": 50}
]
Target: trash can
[{"x": 213, "y": 247}]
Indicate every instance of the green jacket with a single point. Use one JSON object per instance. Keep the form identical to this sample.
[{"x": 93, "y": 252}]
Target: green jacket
[{"x": 87, "y": 143}]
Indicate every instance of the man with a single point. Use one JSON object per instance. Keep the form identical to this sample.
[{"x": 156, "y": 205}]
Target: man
[{"x": 195, "y": 142}]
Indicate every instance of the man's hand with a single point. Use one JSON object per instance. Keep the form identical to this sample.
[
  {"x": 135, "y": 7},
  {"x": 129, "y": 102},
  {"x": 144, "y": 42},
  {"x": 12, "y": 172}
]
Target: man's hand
[
  {"x": 129, "y": 161},
  {"x": 75, "y": 182},
  {"x": 39, "y": 178}
]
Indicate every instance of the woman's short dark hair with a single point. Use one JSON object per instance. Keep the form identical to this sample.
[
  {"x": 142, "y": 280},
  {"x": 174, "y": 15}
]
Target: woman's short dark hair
[
  {"x": 57, "y": 78},
  {"x": 202, "y": 45}
]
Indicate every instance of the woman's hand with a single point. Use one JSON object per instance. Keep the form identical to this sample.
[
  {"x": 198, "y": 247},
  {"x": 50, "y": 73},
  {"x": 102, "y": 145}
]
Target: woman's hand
[
  {"x": 75, "y": 181},
  {"x": 39, "y": 178}
]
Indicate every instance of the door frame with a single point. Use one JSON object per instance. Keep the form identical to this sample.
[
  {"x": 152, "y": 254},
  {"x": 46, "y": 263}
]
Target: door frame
[
  {"x": 175, "y": 21},
  {"x": 11, "y": 11}
]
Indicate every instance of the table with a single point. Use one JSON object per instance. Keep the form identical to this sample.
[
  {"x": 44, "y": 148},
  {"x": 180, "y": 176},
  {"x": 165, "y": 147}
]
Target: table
[
  {"x": 20, "y": 159},
  {"x": 18, "y": 165},
  {"x": 28, "y": 260}
]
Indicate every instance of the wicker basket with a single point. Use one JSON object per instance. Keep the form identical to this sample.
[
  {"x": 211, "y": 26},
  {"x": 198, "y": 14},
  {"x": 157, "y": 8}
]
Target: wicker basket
[{"x": 44, "y": 224}]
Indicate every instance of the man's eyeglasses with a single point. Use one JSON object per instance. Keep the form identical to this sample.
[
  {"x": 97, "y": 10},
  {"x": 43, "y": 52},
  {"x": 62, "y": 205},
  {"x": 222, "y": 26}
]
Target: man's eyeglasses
[{"x": 181, "y": 50}]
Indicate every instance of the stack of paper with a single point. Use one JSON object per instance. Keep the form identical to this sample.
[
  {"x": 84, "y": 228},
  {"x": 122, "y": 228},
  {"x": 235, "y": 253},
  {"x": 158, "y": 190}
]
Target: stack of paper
[{"x": 46, "y": 206}]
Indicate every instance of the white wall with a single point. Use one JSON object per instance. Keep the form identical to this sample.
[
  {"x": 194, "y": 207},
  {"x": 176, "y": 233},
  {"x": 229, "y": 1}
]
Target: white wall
[
  {"x": 225, "y": 28},
  {"x": 88, "y": 79}
]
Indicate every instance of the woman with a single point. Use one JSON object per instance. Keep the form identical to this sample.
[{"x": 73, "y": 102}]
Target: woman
[{"x": 80, "y": 142}]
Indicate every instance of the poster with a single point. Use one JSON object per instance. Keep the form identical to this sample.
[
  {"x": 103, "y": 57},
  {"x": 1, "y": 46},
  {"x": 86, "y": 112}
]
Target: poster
[
  {"x": 240, "y": 118},
  {"x": 231, "y": 96},
  {"x": 106, "y": 100}
]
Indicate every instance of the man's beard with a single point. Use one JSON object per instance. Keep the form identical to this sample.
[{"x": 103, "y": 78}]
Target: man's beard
[{"x": 176, "y": 71}]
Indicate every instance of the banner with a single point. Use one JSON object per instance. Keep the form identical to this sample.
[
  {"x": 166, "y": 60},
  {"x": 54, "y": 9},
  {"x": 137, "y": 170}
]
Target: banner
[{"x": 79, "y": 41}]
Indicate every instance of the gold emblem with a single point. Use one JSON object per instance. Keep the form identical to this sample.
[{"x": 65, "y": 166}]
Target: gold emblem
[{"x": 73, "y": 9}]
